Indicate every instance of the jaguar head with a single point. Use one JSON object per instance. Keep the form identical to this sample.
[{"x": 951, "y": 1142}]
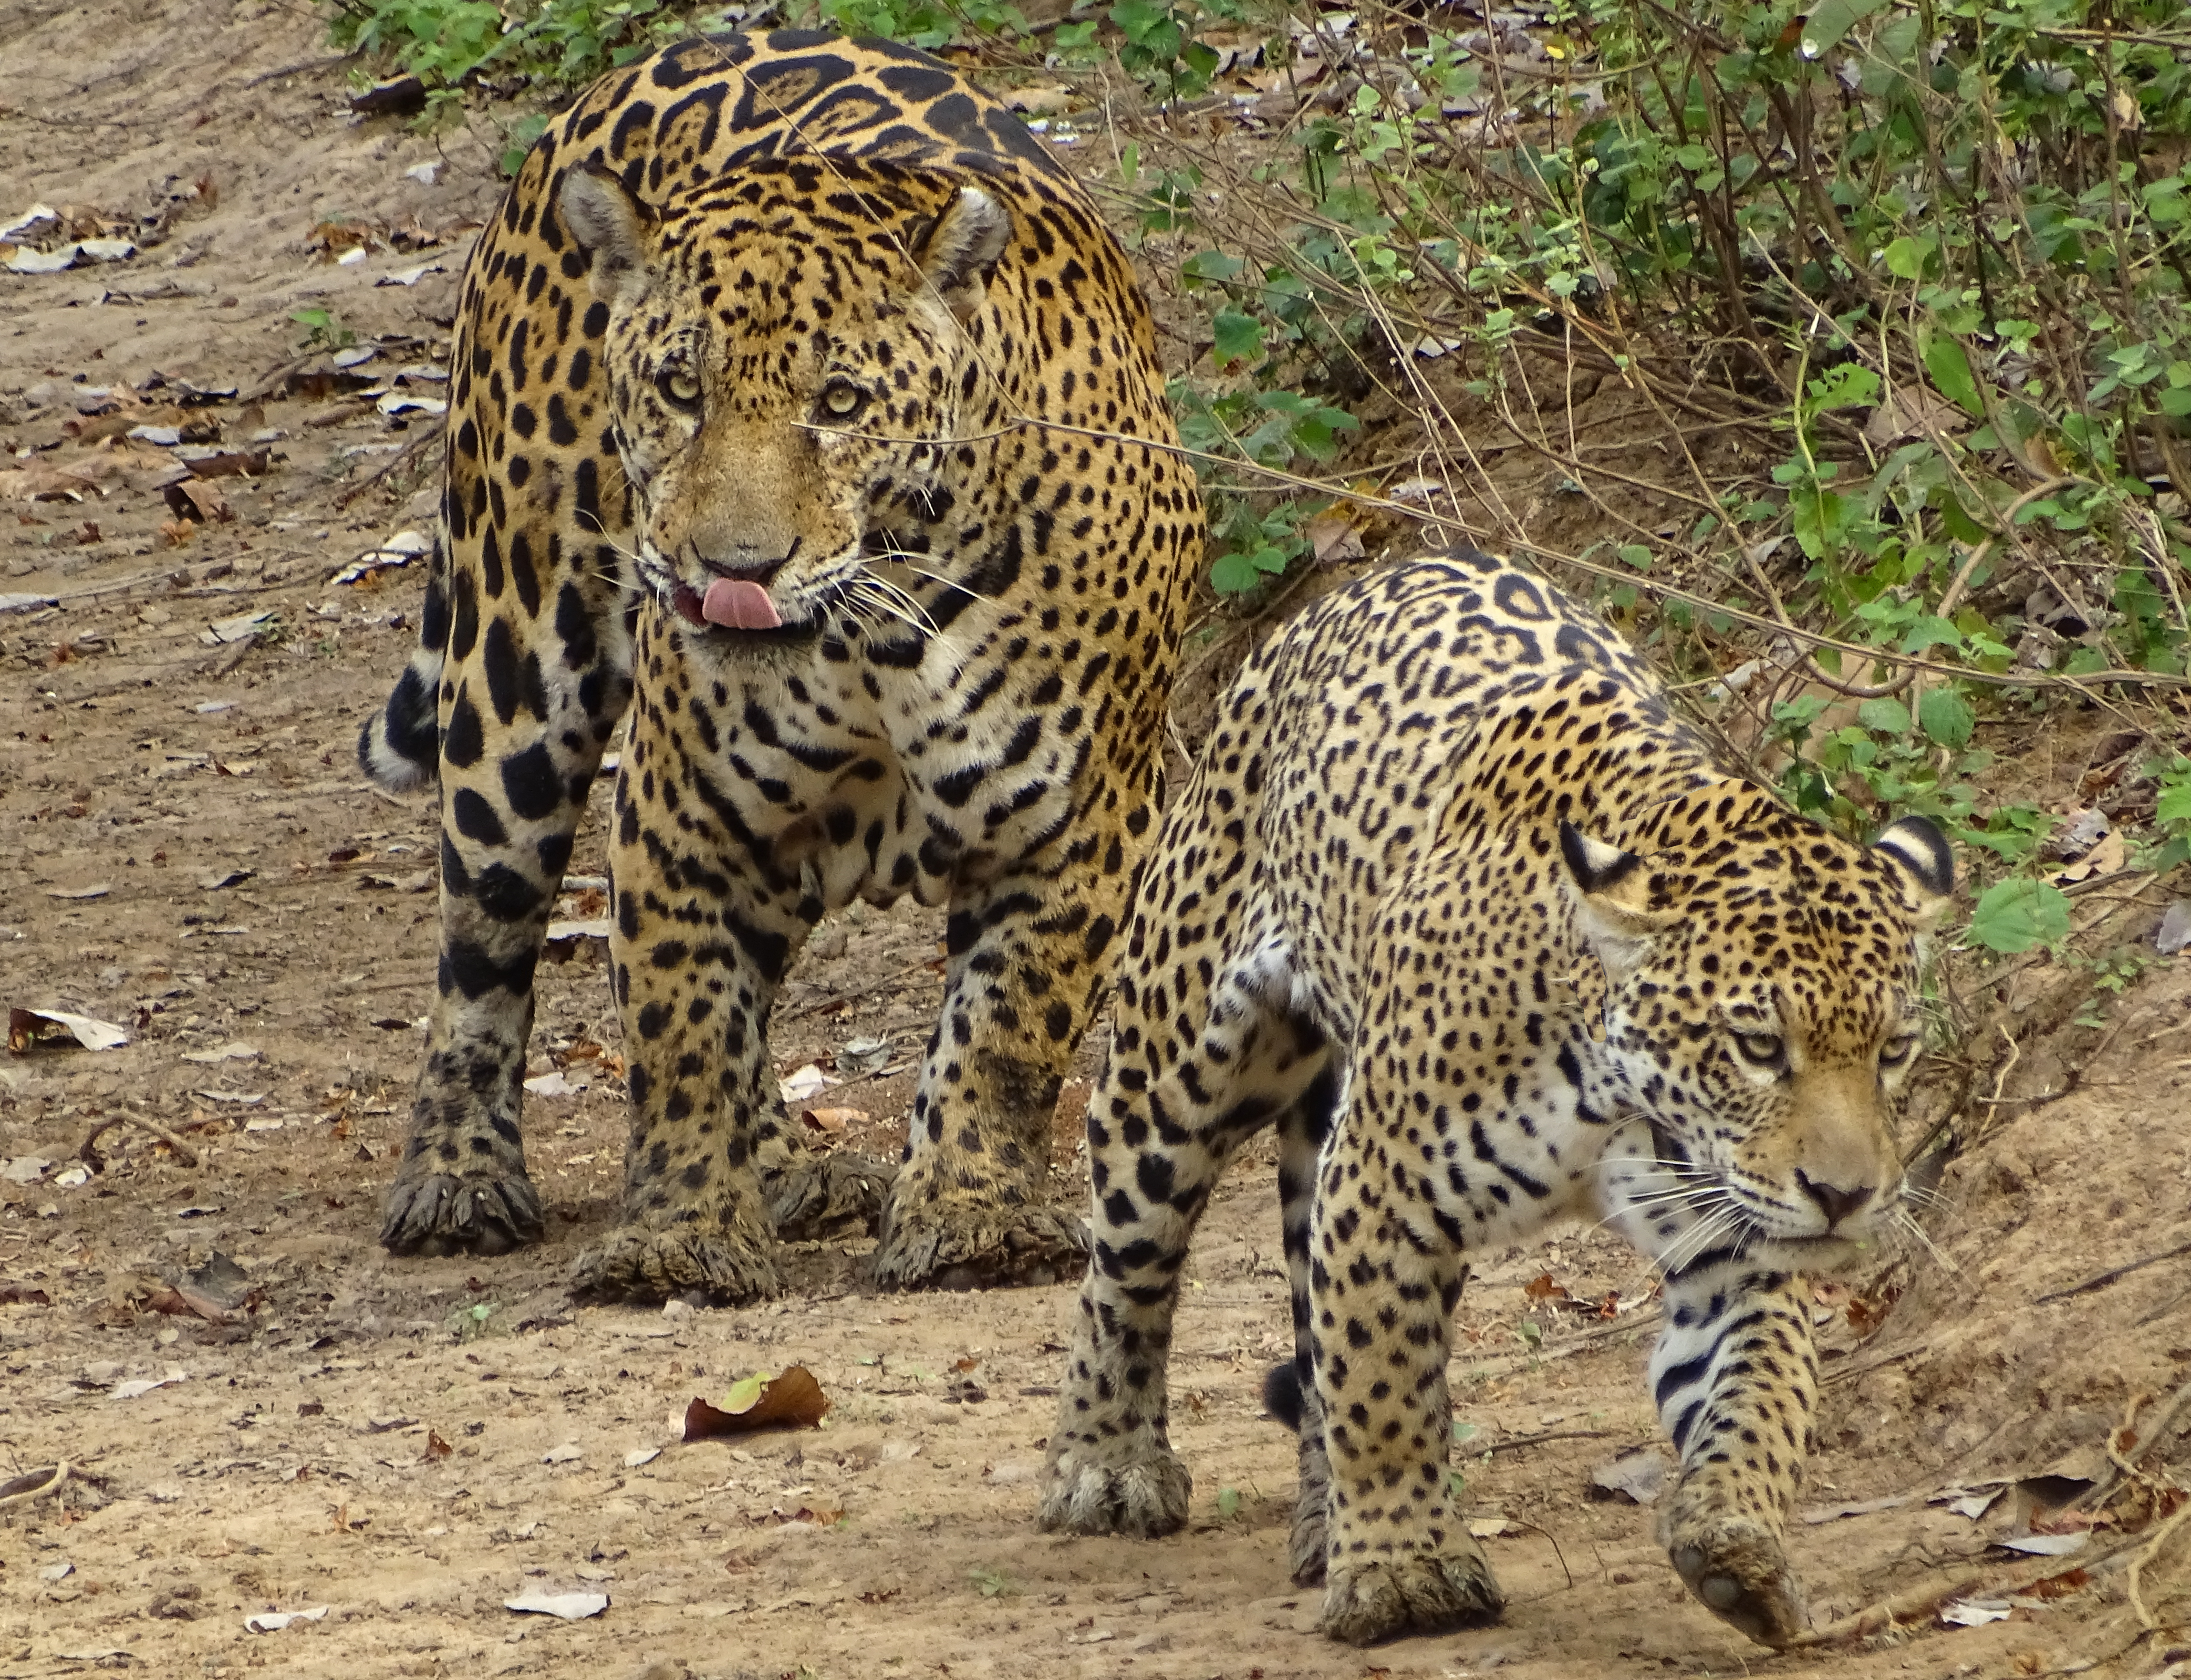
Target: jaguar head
[
  {"x": 1760, "y": 1012},
  {"x": 792, "y": 349}
]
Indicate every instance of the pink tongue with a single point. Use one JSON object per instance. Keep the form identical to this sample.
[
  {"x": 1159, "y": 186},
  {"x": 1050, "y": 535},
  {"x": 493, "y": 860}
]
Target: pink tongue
[{"x": 741, "y": 606}]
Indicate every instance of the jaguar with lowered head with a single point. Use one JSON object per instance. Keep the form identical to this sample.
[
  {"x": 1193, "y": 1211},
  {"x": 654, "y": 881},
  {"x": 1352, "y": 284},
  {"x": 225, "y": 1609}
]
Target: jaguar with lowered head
[
  {"x": 799, "y": 394},
  {"x": 1456, "y": 902}
]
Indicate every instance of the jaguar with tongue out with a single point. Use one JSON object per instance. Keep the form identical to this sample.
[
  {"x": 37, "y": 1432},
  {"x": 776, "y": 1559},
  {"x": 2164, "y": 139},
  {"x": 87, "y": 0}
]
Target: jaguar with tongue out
[{"x": 802, "y": 399}]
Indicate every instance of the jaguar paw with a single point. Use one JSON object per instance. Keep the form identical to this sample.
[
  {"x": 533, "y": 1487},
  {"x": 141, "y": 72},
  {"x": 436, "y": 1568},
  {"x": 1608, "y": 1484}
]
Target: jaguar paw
[
  {"x": 1084, "y": 1494},
  {"x": 434, "y": 1214},
  {"x": 640, "y": 1263},
  {"x": 926, "y": 1247},
  {"x": 813, "y": 1197},
  {"x": 1739, "y": 1573},
  {"x": 1365, "y": 1602}
]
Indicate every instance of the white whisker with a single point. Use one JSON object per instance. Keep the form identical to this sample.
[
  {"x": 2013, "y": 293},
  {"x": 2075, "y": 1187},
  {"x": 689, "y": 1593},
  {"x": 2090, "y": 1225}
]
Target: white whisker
[{"x": 1914, "y": 1229}]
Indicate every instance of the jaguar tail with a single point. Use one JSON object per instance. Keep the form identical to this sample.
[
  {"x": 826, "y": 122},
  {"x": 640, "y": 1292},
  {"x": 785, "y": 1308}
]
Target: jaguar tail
[{"x": 400, "y": 745}]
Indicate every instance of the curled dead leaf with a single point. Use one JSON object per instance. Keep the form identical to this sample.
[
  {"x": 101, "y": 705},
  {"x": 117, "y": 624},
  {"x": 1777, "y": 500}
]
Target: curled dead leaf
[{"x": 792, "y": 1400}]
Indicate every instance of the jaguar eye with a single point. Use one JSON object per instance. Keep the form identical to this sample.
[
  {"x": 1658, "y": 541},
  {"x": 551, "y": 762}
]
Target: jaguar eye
[
  {"x": 679, "y": 387},
  {"x": 841, "y": 401},
  {"x": 1897, "y": 1052},
  {"x": 1761, "y": 1050}
]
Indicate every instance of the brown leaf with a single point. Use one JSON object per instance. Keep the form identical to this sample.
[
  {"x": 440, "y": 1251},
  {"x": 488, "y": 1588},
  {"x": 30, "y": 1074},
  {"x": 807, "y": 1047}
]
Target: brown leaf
[
  {"x": 13, "y": 1294},
  {"x": 196, "y": 498},
  {"x": 435, "y": 1446},
  {"x": 1542, "y": 1288},
  {"x": 178, "y": 531},
  {"x": 180, "y": 1301},
  {"x": 229, "y": 464},
  {"x": 1333, "y": 537},
  {"x": 967, "y": 1363},
  {"x": 835, "y": 1119},
  {"x": 793, "y": 1400}
]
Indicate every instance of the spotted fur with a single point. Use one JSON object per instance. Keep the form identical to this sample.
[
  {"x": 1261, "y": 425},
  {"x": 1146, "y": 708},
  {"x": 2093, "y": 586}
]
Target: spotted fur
[
  {"x": 1458, "y": 905},
  {"x": 815, "y": 320}
]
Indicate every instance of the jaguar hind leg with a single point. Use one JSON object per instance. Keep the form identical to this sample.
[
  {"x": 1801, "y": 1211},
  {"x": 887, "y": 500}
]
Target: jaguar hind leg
[{"x": 508, "y": 821}]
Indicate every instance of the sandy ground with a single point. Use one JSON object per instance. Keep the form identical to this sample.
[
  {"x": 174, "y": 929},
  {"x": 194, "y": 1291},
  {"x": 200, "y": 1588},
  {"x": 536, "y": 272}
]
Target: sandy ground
[{"x": 189, "y": 854}]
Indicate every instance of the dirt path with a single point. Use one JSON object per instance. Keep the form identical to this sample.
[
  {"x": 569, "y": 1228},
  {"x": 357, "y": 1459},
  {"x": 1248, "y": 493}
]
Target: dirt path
[{"x": 190, "y": 854}]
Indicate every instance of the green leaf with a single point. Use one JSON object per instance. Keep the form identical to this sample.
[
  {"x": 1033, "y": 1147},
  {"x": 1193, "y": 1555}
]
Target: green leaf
[
  {"x": 1931, "y": 631},
  {"x": 1906, "y": 257},
  {"x": 1228, "y": 1502},
  {"x": 521, "y": 135},
  {"x": 1239, "y": 338},
  {"x": 1238, "y": 573},
  {"x": 2015, "y": 915},
  {"x": 1831, "y": 20},
  {"x": 1635, "y": 555},
  {"x": 1946, "y": 717},
  {"x": 1950, "y": 368},
  {"x": 2174, "y": 805},
  {"x": 1884, "y": 717}
]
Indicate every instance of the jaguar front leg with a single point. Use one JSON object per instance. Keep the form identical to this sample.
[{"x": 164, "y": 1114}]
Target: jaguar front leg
[
  {"x": 1736, "y": 1378},
  {"x": 706, "y": 924},
  {"x": 970, "y": 1207}
]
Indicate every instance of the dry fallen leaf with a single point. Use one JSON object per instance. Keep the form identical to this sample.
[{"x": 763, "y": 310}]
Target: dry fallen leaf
[
  {"x": 835, "y": 1119},
  {"x": 793, "y": 1400},
  {"x": 435, "y": 1446},
  {"x": 199, "y": 499},
  {"x": 29, "y": 1030},
  {"x": 565, "y": 1606}
]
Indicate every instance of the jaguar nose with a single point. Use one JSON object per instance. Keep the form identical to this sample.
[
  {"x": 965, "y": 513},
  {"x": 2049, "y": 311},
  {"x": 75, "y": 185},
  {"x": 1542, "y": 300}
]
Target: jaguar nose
[
  {"x": 1835, "y": 1202},
  {"x": 742, "y": 569}
]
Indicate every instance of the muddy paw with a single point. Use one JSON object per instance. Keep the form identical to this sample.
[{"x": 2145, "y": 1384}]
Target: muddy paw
[
  {"x": 438, "y": 1214},
  {"x": 961, "y": 1248},
  {"x": 634, "y": 1263},
  {"x": 1741, "y": 1574},
  {"x": 1421, "y": 1593},
  {"x": 813, "y": 1197},
  {"x": 1081, "y": 1494}
]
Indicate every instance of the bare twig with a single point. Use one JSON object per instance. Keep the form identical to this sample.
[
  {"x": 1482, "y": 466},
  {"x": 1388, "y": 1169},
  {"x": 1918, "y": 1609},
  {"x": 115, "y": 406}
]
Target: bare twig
[
  {"x": 91, "y": 1157},
  {"x": 431, "y": 435},
  {"x": 2100, "y": 1281}
]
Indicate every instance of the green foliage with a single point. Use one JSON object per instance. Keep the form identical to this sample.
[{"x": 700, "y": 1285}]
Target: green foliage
[
  {"x": 547, "y": 44},
  {"x": 2171, "y": 815},
  {"x": 2016, "y": 914},
  {"x": 322, "y": 330},
  {"x": 926, "y": 24},
  {"x": 992, "y": 1583},
  {"x": 1955, "y": 238}
]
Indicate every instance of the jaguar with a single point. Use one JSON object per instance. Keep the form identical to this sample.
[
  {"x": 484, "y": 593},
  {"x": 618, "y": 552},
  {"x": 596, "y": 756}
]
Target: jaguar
[
  {"x": 1457, "y": 904},
  {"x": 803, "y": 406}
]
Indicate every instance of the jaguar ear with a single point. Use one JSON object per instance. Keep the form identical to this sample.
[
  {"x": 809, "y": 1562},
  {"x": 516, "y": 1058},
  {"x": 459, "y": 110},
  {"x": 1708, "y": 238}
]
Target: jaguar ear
[
  {"x": 1921, "y": 852},
  {"x": 610, "y": 222},
  {"x": 958, "y": 251},
  {"x": 1611, "y": 895}
]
